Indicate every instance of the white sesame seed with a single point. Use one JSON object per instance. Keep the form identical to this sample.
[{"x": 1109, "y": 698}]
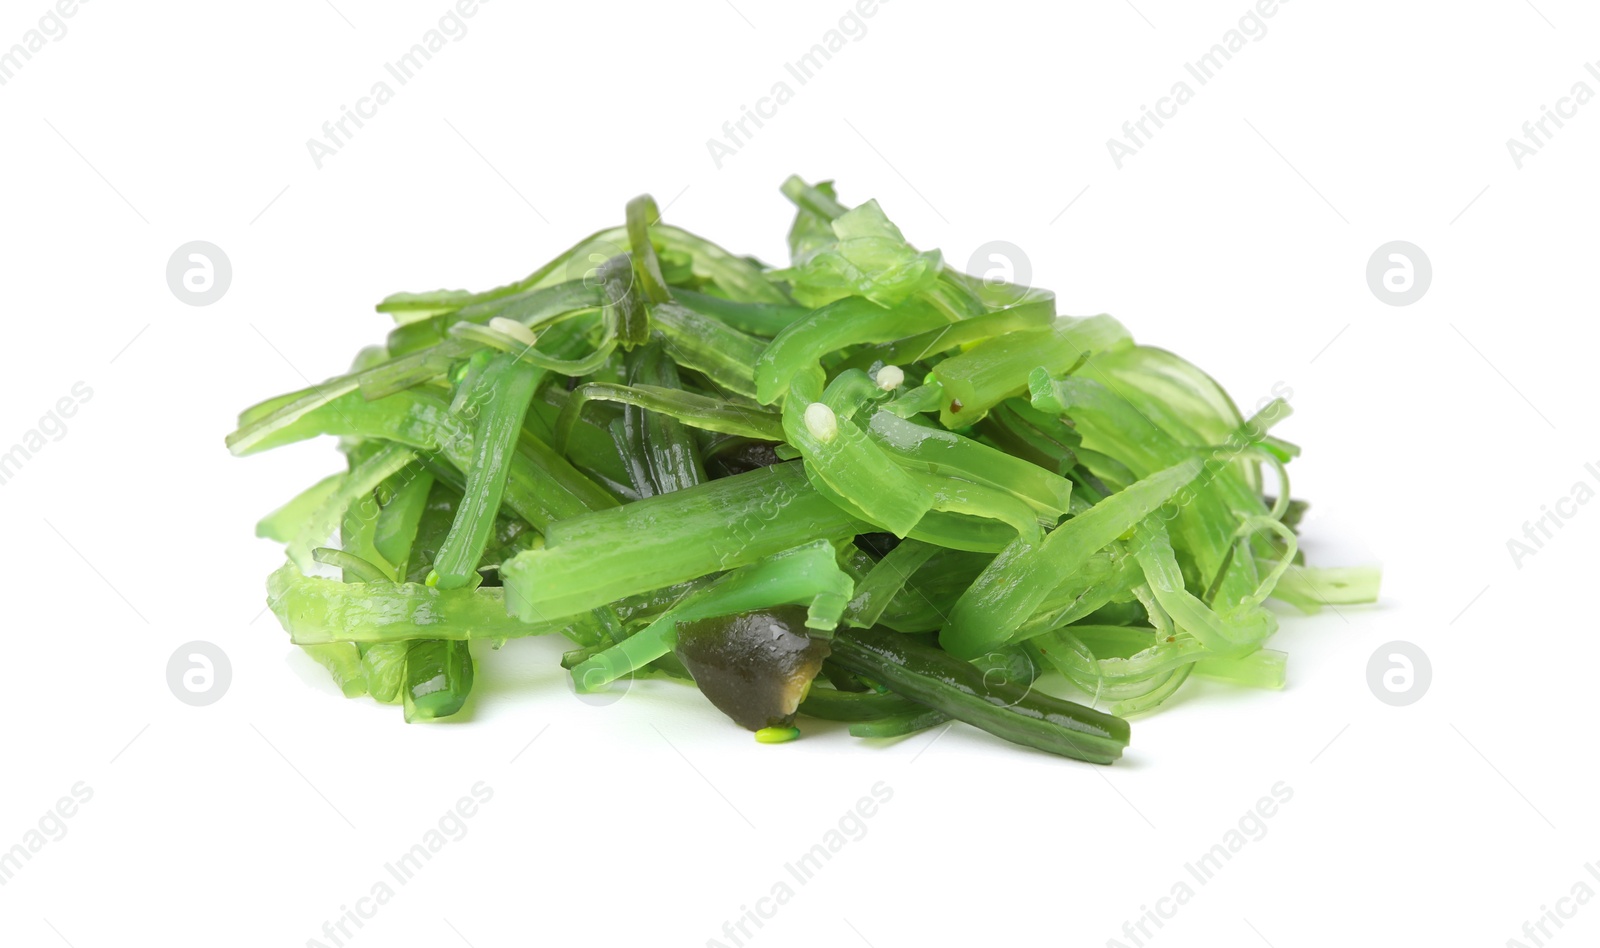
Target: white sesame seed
[
  {"x": 890, "y": 377},
  {"x": 514, "y": 329},
  {"x": 821, "y": 422}
]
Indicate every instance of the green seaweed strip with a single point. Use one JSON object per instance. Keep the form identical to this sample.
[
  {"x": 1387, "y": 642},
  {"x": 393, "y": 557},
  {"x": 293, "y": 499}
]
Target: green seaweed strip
[
  {"x": 961, "y": 690},
  {"x": 641, "y": 214},
  {"x": 506, "y": 390},
  {"x": 697, "y": 411},
  {"x": 900, "y": 725},
  {"x": 670, "y": 451},
  {"x": 595, "y": 558},
  {"x": 889, "y": 578},
  {"x": 808, "y": 576},
  {"x": 1033, "y": 315},
  {"x": 285, "y": 523},
  {"x": 846, "y": 322},
  {"x": 757, "y": 319},
  {"x": 840, "y": 455},
  {"x": 721, "y": 353},
  {"x": 993, "y": 371},
  {"x": 360, "y": 482},
  {"x": 1017, "y": 582},
  {"x": 832, "y": 705},
  {"x": 315, "y": 611},
  {"x": 438, "y": 679}
]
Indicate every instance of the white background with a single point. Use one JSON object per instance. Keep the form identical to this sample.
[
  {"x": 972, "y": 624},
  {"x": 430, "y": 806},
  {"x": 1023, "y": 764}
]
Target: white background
[{"x": 1238, "y": 237}]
